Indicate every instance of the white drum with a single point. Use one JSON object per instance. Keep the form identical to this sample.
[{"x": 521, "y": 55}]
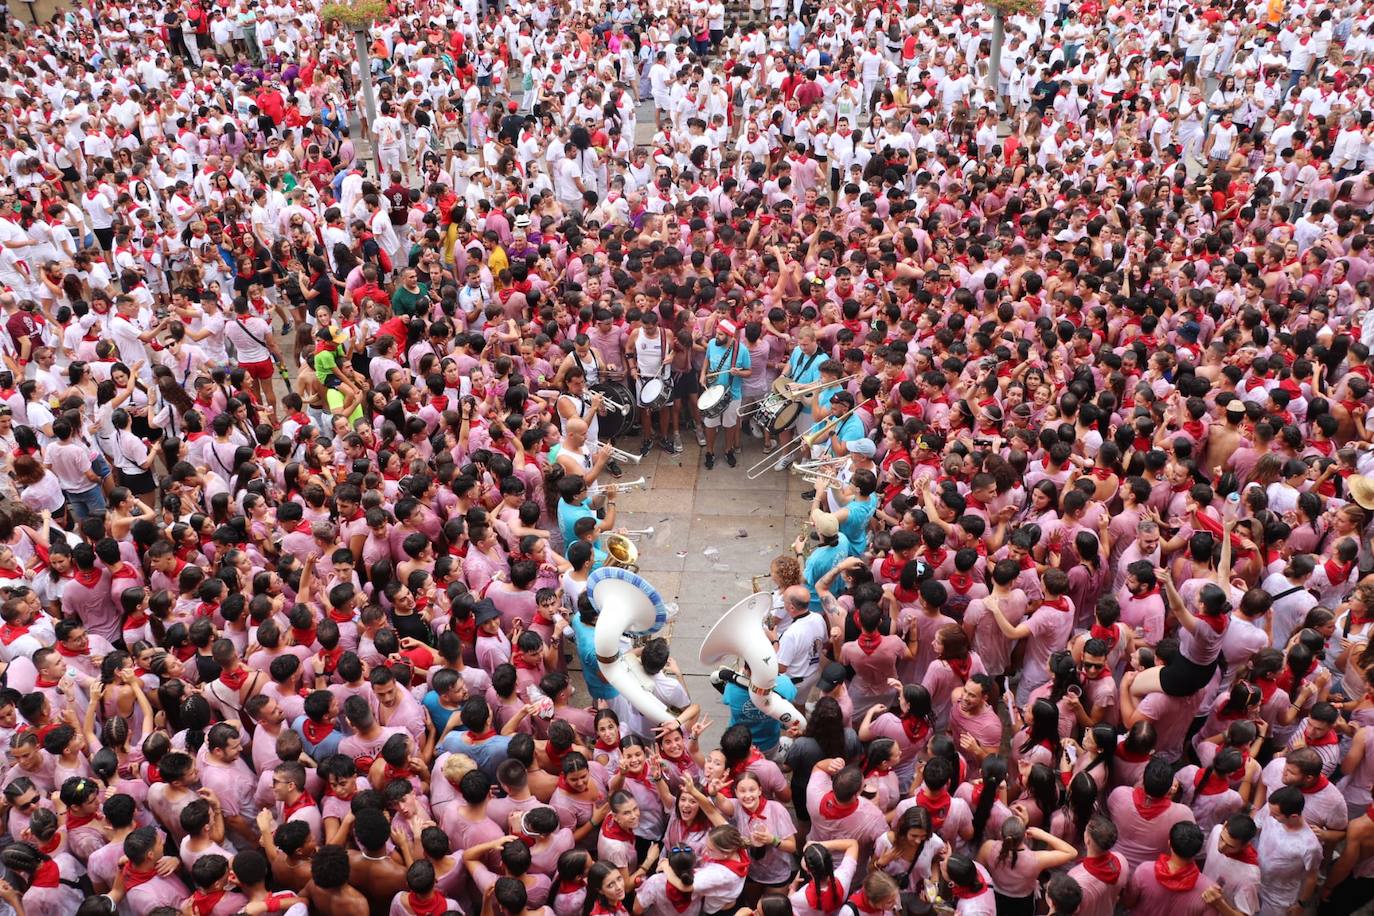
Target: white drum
[
  {"x": 655, "y": 394},
  {"x": 714, "y": 401}
]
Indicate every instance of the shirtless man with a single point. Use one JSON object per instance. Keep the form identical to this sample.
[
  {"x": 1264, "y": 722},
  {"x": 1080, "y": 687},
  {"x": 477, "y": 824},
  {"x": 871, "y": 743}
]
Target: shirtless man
[
  {"x": 289, "y": 850},
  {"x": 1224, "y": 438},
  {"x": 329, "y": 891},
  {"x": 382, "y": 875}
]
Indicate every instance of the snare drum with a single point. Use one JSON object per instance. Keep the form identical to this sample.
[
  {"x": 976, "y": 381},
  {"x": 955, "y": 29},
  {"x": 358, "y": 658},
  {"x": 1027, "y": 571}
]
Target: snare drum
[
  {"x": 655, "y": 394},
  {"x": 777, "y": 413},
  {"x": 714, "y": 401}
]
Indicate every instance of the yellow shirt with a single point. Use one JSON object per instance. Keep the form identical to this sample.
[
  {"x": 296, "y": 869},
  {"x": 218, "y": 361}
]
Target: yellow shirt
[{"x": 497, "y": 261}]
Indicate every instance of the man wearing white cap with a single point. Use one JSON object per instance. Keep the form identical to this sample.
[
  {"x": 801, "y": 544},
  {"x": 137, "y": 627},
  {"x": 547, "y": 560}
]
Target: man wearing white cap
[{"x": 727, "y": 364}]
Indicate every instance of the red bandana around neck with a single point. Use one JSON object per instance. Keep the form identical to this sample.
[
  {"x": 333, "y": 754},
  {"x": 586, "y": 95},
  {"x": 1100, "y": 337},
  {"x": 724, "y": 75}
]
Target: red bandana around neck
[
  {"x": 869, "y": 642},
  {"x": 1105, "y": 868},
  {"x": 612, "y": 830},
  {"x": 832, "y": 809},
  {"x": 738, "y": 863},
  {"x": 1249, "y": 855},
  {"x": 300, "y": 804},
  {"x": 1177, "y": 881},
  {"x": 1321, "y": 783},
  {"x": 434, "y": 904},
  {"x": 863, "y": 904},
  {"x": 235, "y": 679},
  {"x": 827, "y": 900},
  {"x": 316, "y": 732},
  {"x": 203, "y": 903},
  {"x": 134, "y": 878},
  {"x": 937, "y": 804},
  {"x": 10, "y": 632},
  {"x": 1149, "y": 808},
  {"x": 46, "y": 875},
  {"x": 1214, "y": 784},
  {"x": 1330, "y": 738}
]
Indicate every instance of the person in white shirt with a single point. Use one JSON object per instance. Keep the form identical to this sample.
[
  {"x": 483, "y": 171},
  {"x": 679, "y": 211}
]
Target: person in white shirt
[{"x": 799, "y": 646}]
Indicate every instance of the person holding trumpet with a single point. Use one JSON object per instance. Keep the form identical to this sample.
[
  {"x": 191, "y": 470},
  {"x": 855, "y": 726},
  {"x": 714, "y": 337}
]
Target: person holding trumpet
[
  {"x": 727, "y": 363},
  {"x": 576, "y": 404}
]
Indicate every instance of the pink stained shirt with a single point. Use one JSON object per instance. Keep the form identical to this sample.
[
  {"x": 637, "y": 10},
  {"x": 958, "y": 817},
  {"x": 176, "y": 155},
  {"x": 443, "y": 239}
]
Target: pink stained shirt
[
  {"x": 941, "y": 681},
  {"x": 653, "y": 897},
  {"x": 1172, "y": 717},
  {"x": 866, "y": 824},
  {"x": 993, "y": 647},
  {"x": 1153, "y": 899},
  {"x": 844, "y": 874},
  {"x": 776, "y": 866},
  {"x": 1140, "y": 839},
  {"x": 1100, "y": 898},
  {"x": 872, "y": 670},
  {"x": 1145, "y": 613}
]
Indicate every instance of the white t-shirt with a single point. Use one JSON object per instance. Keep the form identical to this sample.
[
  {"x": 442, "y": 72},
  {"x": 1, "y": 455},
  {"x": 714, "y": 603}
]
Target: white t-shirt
[
  {"x": 242, "y": 331},
  {"x": 799, "y": 648}
]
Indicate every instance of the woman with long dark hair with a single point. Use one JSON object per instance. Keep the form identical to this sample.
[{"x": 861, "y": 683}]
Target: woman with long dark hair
[
  {"x": 909, "y": 850},
  {"x": 1015, "y": 869},
  {"x": 821, "y": 887}
]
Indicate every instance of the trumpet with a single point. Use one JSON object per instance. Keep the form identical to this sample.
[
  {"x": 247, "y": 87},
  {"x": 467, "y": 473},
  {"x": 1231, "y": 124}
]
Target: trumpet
[
  {"x": 608, "y": 403},
  {"x": 639, "y": 533},
  {"x": 598, "y": 488},
  {"x": 820, "y": 480},
  {"x": 797, "y": 446},
  {"x": 622, "y": 455}
]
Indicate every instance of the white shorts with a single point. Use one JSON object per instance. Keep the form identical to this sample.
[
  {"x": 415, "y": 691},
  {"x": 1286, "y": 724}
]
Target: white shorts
[{"x": 729, "y": 419}]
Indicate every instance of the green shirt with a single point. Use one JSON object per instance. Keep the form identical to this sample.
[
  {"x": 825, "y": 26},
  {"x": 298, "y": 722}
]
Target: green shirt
[
  {"x": 326, "y": 361},
  {"x": 403, "y": 300}
]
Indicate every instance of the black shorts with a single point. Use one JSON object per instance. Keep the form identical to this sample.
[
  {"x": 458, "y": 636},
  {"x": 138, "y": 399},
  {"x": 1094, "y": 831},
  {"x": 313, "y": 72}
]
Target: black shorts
[
  {"x": 1183, "y": 678},
  {"x": 685, "y": 385},
  {"x": 136, "y": 483},
  {"x": 105, "y": 237},
  {"x": 71, "y": 176}
]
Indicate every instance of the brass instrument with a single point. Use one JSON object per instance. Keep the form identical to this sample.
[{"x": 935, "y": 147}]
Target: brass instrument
[
  {"x": 622, "y": 455},
  {"x": 793, "y": 391},
  {"x": 598, "y": 488},
  {"x": 622, "y": 553}
]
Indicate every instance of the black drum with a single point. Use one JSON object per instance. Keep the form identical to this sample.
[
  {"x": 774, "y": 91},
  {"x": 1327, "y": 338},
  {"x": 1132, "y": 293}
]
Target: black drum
[{"x": 617, "y": 409}]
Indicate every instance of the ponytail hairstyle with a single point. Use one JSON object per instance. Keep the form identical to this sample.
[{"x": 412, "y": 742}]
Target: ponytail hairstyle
[
  {"x": 683, "y": 861},
  {"x": 1104, "y": 737},
  {"x": 1064, "y": 674},
  {"x": 823, "y": 889},
  {"x": 963, "y": 874},
  {"x": 1043, "y": 785},
  {"x": 1228, "y": 763},
  {"x": 994, "y": 777},
  {"x": 1013, "y": 839},
  {"x": 1083, "y": 798}
]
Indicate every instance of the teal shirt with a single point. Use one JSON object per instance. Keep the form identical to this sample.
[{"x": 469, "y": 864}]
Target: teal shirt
[
  {"x": 568, "y": 514},
  {"x": 806, "y": 370},
  {"x": 822, "y": 560},
  {"x": 718, "y": 360},
  {"x": 855, "y": 526}
]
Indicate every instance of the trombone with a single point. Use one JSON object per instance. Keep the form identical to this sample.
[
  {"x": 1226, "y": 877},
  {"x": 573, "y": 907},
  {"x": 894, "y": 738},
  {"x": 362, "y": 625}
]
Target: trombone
[
  {"x": 792, "y": 391},
  {"x": 622, "y": 455},
  {"x": 598, "y": 488},
  {"x": 798, "y": 445}
]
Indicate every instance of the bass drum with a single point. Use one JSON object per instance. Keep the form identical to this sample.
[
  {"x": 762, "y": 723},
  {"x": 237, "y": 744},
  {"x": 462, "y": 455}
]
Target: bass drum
[
  {"x": 613, "y": 421},
  {"x": 777, "y": 413}
]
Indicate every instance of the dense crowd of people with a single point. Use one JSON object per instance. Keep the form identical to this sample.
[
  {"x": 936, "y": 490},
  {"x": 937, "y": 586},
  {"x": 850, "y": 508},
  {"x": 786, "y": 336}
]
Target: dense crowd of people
[{"x": 320, "y": 371}]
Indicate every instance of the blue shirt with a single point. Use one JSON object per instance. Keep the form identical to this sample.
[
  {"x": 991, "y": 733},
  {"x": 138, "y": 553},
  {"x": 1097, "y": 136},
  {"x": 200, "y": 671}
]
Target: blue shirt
[
  {"x": 326, "y": 748},
  {"x": 806, "y": 370},
  {"x": 855, "y": 526},
  {"x": 851, "y": 430},
  {"x": 568, "y": 514},
  {"x": 437, "y": 711},
  {"x": 763, "y": 728},
  {"x": 585, "y": 638},
  {"x": 821, "y": 561},
  {"x": 488, "y": 755},
  {"x": 718, "y": 360}
]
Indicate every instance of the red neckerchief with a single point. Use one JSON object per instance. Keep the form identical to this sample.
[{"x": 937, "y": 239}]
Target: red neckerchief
[
  {"x": 1103, "y": 473},
  {"x": 1337, "y": 572},
  {"x": 756, "y": 813},
  {"x": 891, "y": 567},
  {"x": 300, "y": 804},
  {"x": 608, "y": 748},
  {"x": 203, "y": 903},
  {"x": 46, "y": 875},
  {"x": 519, "y": 661},
  {"x": 961, "y": 582},
  {"x": 961, "y": 667},
  {"x": 316, "y": 732},
  {"x": 78, "y": 820},
  {"x": 573, "y": 886},
  {"x": 738, "y": 863},
  {"x": 832, "y": 809},
  {"x": 340, "y": 616},
  {"x": 235, "y": 679},
  {"x": 613, "y": 831},
  {"x": 915, "y": 728},
  {"x": 863, "y": 904},
  {"x": 474, "y": 737},
  {"x": 89, "y": 578},
  {"x": 1267, "y": 687},
  {"x": 869, "y": 642},
  {"x": 46, "y": 682},
  {"x": 740, "y": 768},
  {"x": 207, "y": 609},
  {"x": 1150, "y": 594},
  {"x": 303, "y": 637},
  {"x": 1105, "y": 868},
  {"x": 1249, "y": 855},
  {"x": 331, "y": 658},
  {"x": 826, "y": 900},
  {"x": 1218, "y": 622},
  {"x": 1178, "y": 881},
  {"x": 10, "y": 632},
  {"x": 1285, "y": 678},
  {"x": 1059, "y": 603},
  {"x": 936, "y": 558},
  {"x": 680, "y": 899},
  {"x": 1214, "y": 785},
  {"x": 938, "y": 805},
  {"x": 1149, "y": 808},
  {"x": 1331, "y": 737},
  {"x": 133, "y": 878},
  {"x": 434, "y": 904},
  {"x": 683, "y": 761},
  {"x": 641, "y": 777},
  {"x": 968, "y": 893}
]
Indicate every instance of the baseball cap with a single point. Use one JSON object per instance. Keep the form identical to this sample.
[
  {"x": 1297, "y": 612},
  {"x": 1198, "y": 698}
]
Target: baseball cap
[
  {"x": 863, "y": 447},
  {"x": 832, "y": 676}
]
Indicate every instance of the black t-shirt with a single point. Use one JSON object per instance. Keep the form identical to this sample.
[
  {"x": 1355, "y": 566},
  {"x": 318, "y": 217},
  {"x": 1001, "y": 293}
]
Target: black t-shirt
[{"x": 1044, "y": 93}]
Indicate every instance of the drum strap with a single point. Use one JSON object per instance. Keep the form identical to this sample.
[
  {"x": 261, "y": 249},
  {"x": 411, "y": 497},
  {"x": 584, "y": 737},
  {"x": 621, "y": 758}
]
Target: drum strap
[
  {"x": 802, "y": 369},
  {"x": 729, "y": 355}
]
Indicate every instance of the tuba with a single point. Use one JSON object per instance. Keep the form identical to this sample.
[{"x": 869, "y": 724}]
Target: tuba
[
  {"x": 621, "y": 552},
  {"x": 627, "y": 606},
  {"x": 741, "y": 633}
]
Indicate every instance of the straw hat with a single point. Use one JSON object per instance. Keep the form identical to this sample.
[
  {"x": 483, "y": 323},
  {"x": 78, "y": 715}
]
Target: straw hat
[{"x": 1361, "y": 490}]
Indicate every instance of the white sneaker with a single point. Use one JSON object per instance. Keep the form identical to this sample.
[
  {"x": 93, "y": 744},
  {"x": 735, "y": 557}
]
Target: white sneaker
[
  {"x": 701, "y": 438},
  {"x": 782, "y": 463}
]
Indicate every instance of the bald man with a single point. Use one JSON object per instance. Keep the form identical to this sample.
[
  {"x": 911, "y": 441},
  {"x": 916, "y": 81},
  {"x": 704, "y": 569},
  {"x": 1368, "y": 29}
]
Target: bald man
[
  {"x": 803, "y": 633},
  {"x": 574, "y": 454}
]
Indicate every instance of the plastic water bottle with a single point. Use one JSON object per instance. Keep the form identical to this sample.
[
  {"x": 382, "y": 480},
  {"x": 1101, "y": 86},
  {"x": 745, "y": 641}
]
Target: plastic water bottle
[{"x": 1232, "y": 505}]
